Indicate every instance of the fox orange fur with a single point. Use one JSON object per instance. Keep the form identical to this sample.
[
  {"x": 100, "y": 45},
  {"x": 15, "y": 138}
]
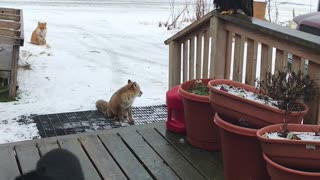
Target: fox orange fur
[
  {"x": 39, "y": 34},
  {"x": 120, "y": 104}
]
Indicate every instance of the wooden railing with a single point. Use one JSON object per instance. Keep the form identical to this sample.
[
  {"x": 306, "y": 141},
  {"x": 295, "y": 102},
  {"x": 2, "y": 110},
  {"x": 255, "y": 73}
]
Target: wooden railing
[
  {"x": 243, "y": 49},
  {"x": 186, "y": 52},
  {"x": 11, "y": 38}
]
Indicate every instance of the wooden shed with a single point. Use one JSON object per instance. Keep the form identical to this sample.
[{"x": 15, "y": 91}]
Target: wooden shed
[{"x": 11, "y": 38}]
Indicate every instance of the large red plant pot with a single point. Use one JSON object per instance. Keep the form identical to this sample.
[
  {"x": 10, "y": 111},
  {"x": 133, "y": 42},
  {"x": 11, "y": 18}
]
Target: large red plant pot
[
  {"x": 279, "y": 172},
  {"x": 198, "y": 114},
  {"x": 241, "y": 151},
  {"x": 296, "y": 154},
  {"x": 255, "y": 114}
]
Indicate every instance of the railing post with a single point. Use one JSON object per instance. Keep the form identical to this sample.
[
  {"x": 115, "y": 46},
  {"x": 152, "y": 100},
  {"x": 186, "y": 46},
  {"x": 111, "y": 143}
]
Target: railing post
[
  {"x": 218, "y": 48},
  {"x": 238, "y": 57},
  {"x": 174, "y": 64},
  {"x": 251, "y": 66},
  {"x": 313, "y": 116},
  {"x": 14, "y": 69}
]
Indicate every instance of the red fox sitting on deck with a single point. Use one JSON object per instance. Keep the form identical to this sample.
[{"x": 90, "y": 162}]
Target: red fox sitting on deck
[
  {"x": 120, "y": 104},
  {"x": 39, "y": 34}
]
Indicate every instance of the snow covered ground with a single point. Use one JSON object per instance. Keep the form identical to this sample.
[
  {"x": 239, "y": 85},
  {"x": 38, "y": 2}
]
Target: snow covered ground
[
  {"x": 282, "y": 11},
  {"x": 94, "y": 47}
]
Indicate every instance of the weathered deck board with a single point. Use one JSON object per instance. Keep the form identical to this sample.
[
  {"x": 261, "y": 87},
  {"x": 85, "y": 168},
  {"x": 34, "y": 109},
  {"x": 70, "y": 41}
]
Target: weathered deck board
[
  {"x": 101, "y": 158},
  {"x": 210, "y": 163},
  {"x": 127, "y": 161},
  {"x": 137, "y": 152},
  {"x": 47, "y": 146},
  {"x": 28, "y": 156},
  {"x": 171, "y": 156},
  {"x": 74, "y": 146},
  {"x": 8, "y": 166},
  {"x": 147, "y": 155}
]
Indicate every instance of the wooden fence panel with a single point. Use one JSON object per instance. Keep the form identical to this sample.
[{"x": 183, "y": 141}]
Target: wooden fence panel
[
  {"x": 313, "y": 116},
  {"x": 228, "y": 54},
  {"x": 185, "y": 61},
  {"x": 218, "y": 55},
  {"x": 238, "y": 58},
  {"x": 281, "y": 61},
  {"x": 298, "y": 64},
  {"x": 199, "y": 55},
  {"x": 174, "y": 64},
  {"x": 205, "y": 66},
  {"x": 251, "y": 67},
  {"x": 9, "y": 24},
  {"x": 191, "y": 59},
  {"x": 266, "y": 60}
]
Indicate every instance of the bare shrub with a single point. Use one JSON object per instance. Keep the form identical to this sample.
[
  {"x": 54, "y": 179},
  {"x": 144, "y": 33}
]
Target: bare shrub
[
  {"x": 201, "y": 7},
  {"x": 175, "y": 15},
  {"x": 25, "y": 66},
  {"x": 286, "y": 89}
]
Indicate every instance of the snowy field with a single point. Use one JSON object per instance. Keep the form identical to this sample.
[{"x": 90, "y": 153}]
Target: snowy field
[{"x": 94, "y": 47}]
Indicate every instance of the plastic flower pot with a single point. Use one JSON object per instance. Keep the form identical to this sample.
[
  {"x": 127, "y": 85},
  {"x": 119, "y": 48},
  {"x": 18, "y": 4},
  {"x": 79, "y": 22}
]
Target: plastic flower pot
[
  {"x": 296, "y": 154},
  {"x": 198, "y": 114},
  {"x": 279, "y": 172},
  {"x": 241, "y": 151},
  {"x": 255, "y": 113},
  {"x": 175, "y": 116}
]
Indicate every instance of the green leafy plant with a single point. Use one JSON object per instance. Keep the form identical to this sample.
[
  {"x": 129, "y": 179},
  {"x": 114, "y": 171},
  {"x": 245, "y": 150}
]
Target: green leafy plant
[
  {"x": 198, "y": 88},
  {"x": 286, "y": 89}
]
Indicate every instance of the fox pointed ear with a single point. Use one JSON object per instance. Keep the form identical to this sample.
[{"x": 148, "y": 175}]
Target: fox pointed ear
[
  {"x": 39, "y": 23},
  {"x": 134, "y": 84},
  {"x": 129, "y": 81},
  {"x": 45, "y": 23}
]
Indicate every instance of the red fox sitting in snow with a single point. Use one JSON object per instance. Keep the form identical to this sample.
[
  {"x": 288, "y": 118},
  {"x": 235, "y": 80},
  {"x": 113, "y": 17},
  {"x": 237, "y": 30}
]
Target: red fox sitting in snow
[{"x": 39, "y": 34}]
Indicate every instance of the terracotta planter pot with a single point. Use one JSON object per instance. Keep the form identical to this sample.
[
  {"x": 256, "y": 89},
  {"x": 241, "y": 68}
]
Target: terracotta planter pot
[
  {"x": 296, "y": 154},
  {"x": 198, "y": 114},
  {"x": 256, "y": 114},
  {"x": 278, "y": 172},
  {"x": 241, "y": 152}
]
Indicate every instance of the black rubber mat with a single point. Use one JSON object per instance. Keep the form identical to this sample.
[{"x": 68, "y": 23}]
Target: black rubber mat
[{"x": 89, "y": 121}]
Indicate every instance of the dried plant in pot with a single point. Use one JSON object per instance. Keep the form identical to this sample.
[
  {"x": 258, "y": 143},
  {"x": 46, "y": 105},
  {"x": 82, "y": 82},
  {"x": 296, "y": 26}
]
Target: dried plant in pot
[
  {"x": 295, "y": 146},
  {"x": 201, "y": 132},
  {"x": 287, "y": 91},
  {"x": 256, "y": 111}
]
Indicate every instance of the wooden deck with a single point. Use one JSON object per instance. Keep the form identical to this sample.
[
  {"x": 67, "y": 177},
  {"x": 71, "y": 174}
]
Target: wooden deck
[{"x": 136, "y": 152}]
